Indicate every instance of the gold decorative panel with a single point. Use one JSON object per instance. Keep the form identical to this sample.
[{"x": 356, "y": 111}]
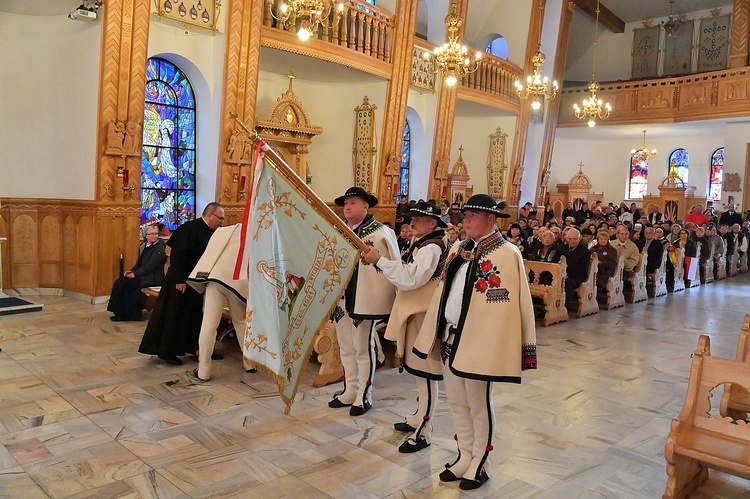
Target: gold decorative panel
[
  {"x": 422, "y": 70},
  {"x": 497, "y": 164},
  {"x": 199, "y": 13},
  {"x": 363, "y": 150}
]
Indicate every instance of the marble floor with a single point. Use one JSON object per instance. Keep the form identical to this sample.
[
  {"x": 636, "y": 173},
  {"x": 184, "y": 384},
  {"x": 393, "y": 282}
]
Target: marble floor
[{"x": 82, "y": 414}]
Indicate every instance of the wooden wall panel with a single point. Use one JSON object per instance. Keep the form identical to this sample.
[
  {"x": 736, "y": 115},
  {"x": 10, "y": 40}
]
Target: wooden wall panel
[
  {"x": 24, "y": 251},
  {"x": 50, "y": 245},
  {"x": 70, "y": 257},
  {"x": 85, "y": 245},
  {"x": 5, "y": 252}
]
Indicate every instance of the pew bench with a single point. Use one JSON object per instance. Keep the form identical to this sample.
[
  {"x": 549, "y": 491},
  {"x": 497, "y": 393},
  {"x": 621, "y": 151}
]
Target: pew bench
[
  {"x": 612, "y": 296},
  {"x": 552, "y": 292},
  {"x": 708, "y": 267},
  {"x": 656, "y": 283},
  {"x": 697, "y": 441},
  {"x": 638, "y": 291},
  {"x": 735, "y": 403},
  {"x": 721, "y": 267},
  {"x": 733, "y": 261},
  {"x": 585, "y": 303},
  {"x": 679, "y": 272}
]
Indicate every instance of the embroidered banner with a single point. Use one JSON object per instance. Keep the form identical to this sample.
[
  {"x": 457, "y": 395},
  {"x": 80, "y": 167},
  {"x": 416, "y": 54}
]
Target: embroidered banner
[
  {"x": 298, "y": 265},
  {"x": 678, "y": 50},
  {"x": 645, "y": 52},
  {"x": 497, "y": 164},
  {"x": 714, "y": 43},
  {"x": 363, "y": 150}
]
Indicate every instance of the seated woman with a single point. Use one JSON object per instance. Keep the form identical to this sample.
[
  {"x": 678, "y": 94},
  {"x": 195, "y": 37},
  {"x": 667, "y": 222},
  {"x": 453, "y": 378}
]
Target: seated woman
[
  {"x": 515, "y": 237},
  {"x": 607, "y": 255},
  {"x": 125, "y": 298},
  {"x": 547, "y": 250},
  {"x": 691, "y": 251}
]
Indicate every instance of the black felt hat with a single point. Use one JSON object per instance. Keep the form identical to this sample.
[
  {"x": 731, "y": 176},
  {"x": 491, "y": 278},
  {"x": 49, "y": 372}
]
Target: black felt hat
[
  {"x": 359, "y": 192},
  {"x": 425, "y": 209},
  {"x": 485, "y": 202}
]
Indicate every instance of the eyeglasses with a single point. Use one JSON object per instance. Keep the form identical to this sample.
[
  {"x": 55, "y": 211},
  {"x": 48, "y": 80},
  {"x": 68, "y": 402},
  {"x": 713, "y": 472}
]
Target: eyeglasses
[
  {"x": 221, "y": 219},
  {"x": 152, "y": 233}
]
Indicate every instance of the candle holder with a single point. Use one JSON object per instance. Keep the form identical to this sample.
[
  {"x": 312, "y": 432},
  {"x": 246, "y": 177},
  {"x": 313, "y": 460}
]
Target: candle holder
[
  {"x": 226, "y": 193},
  {"x": 127, "y": 191},
  {"x": 108, "y": 190}
]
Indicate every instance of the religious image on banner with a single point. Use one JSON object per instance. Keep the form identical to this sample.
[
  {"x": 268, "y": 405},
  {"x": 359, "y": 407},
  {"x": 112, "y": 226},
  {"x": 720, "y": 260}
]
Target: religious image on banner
[
  {"x": 713, "y": 50},
  {"x": 298, "y": 265},
  {"x": 645, "y": 52}
]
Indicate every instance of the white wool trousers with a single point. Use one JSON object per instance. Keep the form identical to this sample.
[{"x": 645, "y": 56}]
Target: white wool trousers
[
  {"x": 357, "y": 349},
  {"x": 216, "y": 296},
  {"x": 473, "y": 412},
  {"x": 427, "y": 397}
]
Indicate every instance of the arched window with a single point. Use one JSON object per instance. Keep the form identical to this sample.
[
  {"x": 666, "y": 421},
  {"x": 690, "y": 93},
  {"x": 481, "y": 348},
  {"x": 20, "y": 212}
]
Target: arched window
[
  {"x": 403, "y": 181},
  {"x": 638, "y": 181},
  {"x": 679, "y": 162},
  {"x": 717, "y": 175},
  {"x": 498, "y": 47},
  {"x": 168, "y": 158}
]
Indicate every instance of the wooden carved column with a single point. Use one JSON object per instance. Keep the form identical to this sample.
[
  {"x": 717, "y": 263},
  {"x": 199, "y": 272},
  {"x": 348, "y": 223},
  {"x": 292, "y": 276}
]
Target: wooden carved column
[
  {"x": 522, "y": 122},
  {"x": 444, "y": 118},
  {"x": 241, "y": 67},
  {"x": 738, "y": 49},
  {"x": 553, "y": 110},
  {"x": 122, "y": 83},
  {"x": 397, "y": 94}
]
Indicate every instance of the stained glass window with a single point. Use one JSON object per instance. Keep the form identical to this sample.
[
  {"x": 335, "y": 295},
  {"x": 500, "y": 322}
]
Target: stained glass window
[
  {"x": 679, "y": 162},
  {"x": 403, "y": 184},
  {"x": 168, "y": 158},
  {"x": 638, "y": 182},
  {"x": 717, "y": 175}
]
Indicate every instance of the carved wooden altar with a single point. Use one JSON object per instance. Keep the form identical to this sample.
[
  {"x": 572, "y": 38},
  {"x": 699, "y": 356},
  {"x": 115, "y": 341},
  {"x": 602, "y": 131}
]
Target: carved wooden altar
[
  {"x": 288, "y": 130},
  {"x": 577, "y": 191},
  {"x": 675, "y": 198},
  {"x": 458, "y": 179}
]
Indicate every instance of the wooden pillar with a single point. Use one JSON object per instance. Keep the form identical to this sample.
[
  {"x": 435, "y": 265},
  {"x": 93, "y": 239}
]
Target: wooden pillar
[
  {"x": 444, "y": 118},
  {"x": 738, "y": 49},
  {"x": 553, "y": 110},
  {"x": 122, "y": 84},
  {"x": 522, "y": 122},
  {"x": 241, "y": 67}
]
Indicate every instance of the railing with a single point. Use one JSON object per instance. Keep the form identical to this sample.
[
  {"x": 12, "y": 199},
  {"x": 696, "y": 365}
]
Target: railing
[
  {"x": 361, "y": 27},
  {"x": 495, "y": 76}
]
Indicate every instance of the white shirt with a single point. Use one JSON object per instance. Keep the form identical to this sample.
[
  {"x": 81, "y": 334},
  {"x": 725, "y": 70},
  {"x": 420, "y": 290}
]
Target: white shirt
[
  {"x": 412, "y": 275},
  {"x": 456, "y": 293}
]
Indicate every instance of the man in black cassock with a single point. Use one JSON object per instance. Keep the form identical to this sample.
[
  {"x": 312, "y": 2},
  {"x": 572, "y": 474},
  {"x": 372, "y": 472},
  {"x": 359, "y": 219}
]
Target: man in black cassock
[{"x": 175, "y": 323}]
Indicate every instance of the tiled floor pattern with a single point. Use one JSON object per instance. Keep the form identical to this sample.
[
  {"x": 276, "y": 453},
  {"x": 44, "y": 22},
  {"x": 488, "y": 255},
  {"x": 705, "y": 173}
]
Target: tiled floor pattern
[{"x": 82, "y": 414}]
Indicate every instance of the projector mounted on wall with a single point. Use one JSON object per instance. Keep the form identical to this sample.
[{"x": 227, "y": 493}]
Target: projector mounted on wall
[{"x": 87, "y": 11}]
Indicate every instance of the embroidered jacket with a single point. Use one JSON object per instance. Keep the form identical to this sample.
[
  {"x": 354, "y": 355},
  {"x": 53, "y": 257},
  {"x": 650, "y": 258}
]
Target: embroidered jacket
[
  {"x": 495, "y": 338},
  {"x": 369, "y": 295}
]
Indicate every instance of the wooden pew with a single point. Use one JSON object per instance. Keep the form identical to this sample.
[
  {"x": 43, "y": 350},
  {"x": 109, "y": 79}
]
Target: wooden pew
[
  {"x": 585, "y": 303},
  {"x": 638, "y": 291},
  {"x": 696, "y": 440},
  {"x": 733, "y": 263},
  {"x": 708, "y": 267},
  {"x": 326, "y": 345},
  {"x": 679, "y": 272},
  {"x": 735, "y": 403},
  {"x": 694, "y": 283},
  {"x": 743, "y": 263},
  {"x": 721, "y": 267},
  {"x": 149, "y": 295},
  {"x": 656, "y": 283},
  {"x": 552, "y": 295},
  {"x": 614, "y": 297}
]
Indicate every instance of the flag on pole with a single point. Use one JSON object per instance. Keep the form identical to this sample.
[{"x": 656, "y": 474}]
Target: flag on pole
[{"x": 297, "y": 264}]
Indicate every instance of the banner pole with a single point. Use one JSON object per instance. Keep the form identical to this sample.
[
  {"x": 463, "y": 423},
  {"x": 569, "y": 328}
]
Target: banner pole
[{"x": 289, "y": 173}]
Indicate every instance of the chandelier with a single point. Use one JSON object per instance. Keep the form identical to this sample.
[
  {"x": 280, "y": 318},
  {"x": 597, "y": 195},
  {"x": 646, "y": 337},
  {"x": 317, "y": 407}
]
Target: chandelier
[
  {"x": 643, "y": 152},
  {"x": 452, "y": 58},
  {"x": 310, "y": 13},
  {"x": 593, "y": 107},
  {"x": 672, "y": 24},
  {"x": 537, "y": 87}
]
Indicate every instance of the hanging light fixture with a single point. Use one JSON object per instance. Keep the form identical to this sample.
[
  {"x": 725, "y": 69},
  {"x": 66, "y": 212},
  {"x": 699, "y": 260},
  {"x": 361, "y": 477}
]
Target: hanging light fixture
[
  {"x": 310, "y": 13},
  {"x": 537, "y": 87},
  {"x": 672, "y": 24},
  {"x": 643, "y": 152},
  {"x": 452, "y": 57},
  {"x": 593, "y": 107}
]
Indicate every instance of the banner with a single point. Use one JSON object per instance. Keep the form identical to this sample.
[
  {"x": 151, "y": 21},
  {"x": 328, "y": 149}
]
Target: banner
[
  {"x": 645, "y": 52},
  {"x": 298, "y": 265},
  {"x": 714, "y": 43},
  {"x": 678, "y": 50}
]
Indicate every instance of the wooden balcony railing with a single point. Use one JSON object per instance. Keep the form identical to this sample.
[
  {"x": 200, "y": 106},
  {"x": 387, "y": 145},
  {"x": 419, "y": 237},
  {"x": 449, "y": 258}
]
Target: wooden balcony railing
[
  {"x": 365, "y": 31},
  {"x": 701, "y": 96}
]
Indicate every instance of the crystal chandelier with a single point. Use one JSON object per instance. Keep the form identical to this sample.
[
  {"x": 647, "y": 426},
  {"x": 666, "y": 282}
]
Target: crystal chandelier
[
  {"x": 310, "y": 13},
  {"x": 593, "y": 107},
  {"x": 672, "y": 24},
  {"x": 452, "y": 58},
  {"x": 537, "y": 87},
  {"x": 643, "y": 152}
]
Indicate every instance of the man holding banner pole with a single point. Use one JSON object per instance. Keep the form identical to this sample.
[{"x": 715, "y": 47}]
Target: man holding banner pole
[{"x": 368, "y": 297}]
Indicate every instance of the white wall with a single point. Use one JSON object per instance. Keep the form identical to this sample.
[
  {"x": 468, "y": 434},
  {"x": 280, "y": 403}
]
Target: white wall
[
  {"x": 421, "y": 115},
  {"x": 606, "y": 155},
  {"x": 49, "y": 81},
  {"x": 737, "y": 139}
]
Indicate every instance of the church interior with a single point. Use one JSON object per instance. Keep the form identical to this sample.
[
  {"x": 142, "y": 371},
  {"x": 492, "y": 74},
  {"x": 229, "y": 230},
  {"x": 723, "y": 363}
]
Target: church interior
[{"x": 138, "y": 111}]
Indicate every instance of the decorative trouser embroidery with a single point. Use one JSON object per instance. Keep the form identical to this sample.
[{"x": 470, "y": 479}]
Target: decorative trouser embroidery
[
  {"x": 357, "y": 348},
  {"x": 428, "y": 396}
]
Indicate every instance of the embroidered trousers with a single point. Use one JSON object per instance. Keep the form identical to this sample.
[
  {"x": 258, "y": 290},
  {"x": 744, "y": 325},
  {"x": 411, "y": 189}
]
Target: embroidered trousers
[
  {"x": 357, "y": 348},
  {"x": 427, "y": 397},
  {"x": 473, "y": 414}
]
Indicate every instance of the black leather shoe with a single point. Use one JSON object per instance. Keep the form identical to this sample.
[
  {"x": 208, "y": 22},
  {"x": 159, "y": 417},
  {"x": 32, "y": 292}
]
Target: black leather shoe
[
  {"x": 358, "y": 410},
  {"x": 412, "y": 445},
  {"x": 117, "y": 318},
  {"x": 217, "y": 356},
  {"x": 171, "y": 359},
  {"x": 467, "y": 484},
  {"x": 404, "y": 426},
  {"x": 337, "y": 404},
  {"x": 251, "y": 370},
  {"x": 447, "y": 476},
  {"x": 195, "y": 375}
]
